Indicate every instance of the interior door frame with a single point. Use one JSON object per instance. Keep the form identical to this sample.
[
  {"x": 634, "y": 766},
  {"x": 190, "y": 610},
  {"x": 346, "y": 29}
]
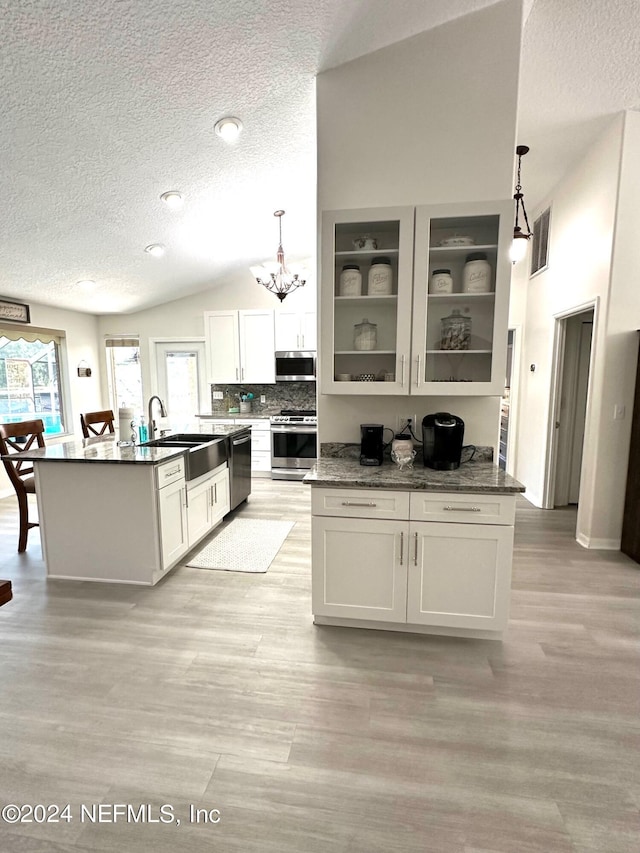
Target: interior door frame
[
  {"x": 514, "y": 396},
  {"x": 184, "y": 339},
  {"x": 557, "y": 367}
]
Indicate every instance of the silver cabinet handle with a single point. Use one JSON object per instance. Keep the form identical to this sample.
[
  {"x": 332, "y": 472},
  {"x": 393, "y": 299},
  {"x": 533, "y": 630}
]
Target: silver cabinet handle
[
  {"x": 215, "y": 486},
  {"x": 415, "y": 553},
  {"x": 356, "y": 503},
  {"x": 402, "y": 370},
  {"x": 243, "y": 374},
  {"x": 236, "y": 372},
  {"x": 298, "y": 341},
  {"x": 461, "y": 509},
  {"x": 418, "y": 372},
  {"x": 401, "y": 547},
  {"x": 186, "y": 498}
]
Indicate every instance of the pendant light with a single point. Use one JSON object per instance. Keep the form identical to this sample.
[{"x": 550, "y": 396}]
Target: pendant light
[
  {"x": 274, "y": 275},
  {"x": 520, "y": 238}
]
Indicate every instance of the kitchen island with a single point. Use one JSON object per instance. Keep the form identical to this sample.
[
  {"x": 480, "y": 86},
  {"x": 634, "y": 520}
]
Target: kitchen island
[
  {"x": 123, "y": 514},
  {"x": 412, "y": 550}
]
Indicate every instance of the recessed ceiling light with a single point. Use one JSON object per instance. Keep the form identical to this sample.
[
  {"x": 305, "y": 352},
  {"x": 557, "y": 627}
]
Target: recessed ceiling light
[
  {"x": 228, "y": 128},
  {"x": 86, "y": 284},
  {"x": 172, "y": 199},
  {"x": 155, "y": 249}
]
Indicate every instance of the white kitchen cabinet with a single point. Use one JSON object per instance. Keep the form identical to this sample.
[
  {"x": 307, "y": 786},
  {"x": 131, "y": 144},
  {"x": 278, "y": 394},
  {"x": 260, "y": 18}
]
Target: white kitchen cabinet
[
  {"x": 200, "y": 508},
  {"x": 375, "y": 560},
  {"x": 240, "y": 346},
  {"x": 260, "y": 445},
  {"x": 359, "y": 569},
  {"x": 174, "y": 535},
  {"x": 296, "y": 330},
  {"x": 410, "y": 351}
]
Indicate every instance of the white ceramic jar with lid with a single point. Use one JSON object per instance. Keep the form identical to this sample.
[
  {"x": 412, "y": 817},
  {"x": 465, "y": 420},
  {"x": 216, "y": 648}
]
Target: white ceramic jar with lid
[
  {"x": 441, "y": 282},
  {"x": 476, "y": 277},
  {"x": 351, "y": 280},
  {"x": 380, "y": 280}
]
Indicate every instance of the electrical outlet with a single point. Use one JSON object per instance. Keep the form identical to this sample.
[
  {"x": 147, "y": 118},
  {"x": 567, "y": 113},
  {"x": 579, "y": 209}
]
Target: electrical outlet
[
  {"x": 218, "y": 395},
  {"x": 401, "y": 422},
  {"x": 263, "y": 398}
]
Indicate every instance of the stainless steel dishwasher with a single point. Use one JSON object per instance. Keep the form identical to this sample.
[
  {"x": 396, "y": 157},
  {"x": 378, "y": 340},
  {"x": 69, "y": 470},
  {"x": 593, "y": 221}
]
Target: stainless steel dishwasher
[{"x": 240, "y": 467}]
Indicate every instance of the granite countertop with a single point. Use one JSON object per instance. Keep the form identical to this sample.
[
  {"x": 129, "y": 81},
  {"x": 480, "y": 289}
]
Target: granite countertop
[
  {"x": 105, "y": 448},
  {"x": 469, "y": 477}
]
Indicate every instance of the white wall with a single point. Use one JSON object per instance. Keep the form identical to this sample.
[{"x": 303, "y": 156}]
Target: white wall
[
  {"x": 594, "y": 255},
  {"x": 81, "y": 344},
  {"x": 428, "y": 120},
  {"x": 185, "y": 317}
]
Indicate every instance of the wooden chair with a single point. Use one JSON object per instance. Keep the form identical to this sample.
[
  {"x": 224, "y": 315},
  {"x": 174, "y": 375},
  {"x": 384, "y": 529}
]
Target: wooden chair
[
  {"x": 91, "y": 420},
  {"x": 15, "y": 438}
]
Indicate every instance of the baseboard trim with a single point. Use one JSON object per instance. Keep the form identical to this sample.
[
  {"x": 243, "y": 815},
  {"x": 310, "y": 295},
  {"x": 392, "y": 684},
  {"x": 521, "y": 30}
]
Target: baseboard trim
[{"x": 598, "y": 544}]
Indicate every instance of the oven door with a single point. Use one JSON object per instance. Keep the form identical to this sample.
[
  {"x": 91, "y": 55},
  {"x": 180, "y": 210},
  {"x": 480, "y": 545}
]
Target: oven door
[{"x": 294, "y": 450}]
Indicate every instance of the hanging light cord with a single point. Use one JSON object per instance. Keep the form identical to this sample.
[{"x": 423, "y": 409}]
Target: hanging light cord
[{"x": 519, "y": 198}]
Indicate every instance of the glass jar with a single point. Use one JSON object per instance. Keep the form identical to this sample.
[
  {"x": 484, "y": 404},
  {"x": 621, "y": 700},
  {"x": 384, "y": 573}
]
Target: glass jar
[
  {"x": 441, "y": 282},
  {"x": 380, "y": 277},
  {"x": 365, "y": 335},
  {"x": 402, "y": 451},
  {"x": 476, "y": 277},
  {"x": 456, "y": 331},
  {"x": 350, "y": 280}
]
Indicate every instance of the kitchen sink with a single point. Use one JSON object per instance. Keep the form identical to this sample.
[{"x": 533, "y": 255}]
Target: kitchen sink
[{"x": 203, "y": 452}]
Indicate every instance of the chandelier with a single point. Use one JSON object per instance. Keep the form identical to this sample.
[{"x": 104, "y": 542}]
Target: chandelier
[
  {"x": 520, "y": 239},
  {"x": 274, "y": 275}
]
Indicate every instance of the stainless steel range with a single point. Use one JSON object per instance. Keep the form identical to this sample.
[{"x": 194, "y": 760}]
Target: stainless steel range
[{"x": 294, "y": 443}]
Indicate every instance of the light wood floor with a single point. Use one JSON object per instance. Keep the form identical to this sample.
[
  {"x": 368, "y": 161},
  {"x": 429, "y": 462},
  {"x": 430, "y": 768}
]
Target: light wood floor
[{"x": 215, "y": 688}]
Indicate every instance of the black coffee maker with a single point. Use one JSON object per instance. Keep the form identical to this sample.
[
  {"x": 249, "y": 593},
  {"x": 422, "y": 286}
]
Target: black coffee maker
[
  {"x": 371, "y": 444},
  {"x": 442, "y": 436}
]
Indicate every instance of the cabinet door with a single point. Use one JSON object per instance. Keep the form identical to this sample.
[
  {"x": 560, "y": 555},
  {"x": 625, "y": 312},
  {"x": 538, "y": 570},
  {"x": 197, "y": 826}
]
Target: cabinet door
[
  {"x": 257, "y": 346},
  {"x": 222, "y": 340},
  {"x": 174, "y": 536},
  {"x": 347, "y": 367},
  {"x": 199, "y": 511},
  {"x": 309, "y": 331},
  {"x": 359, "y": 568},
  {"x": 288, "y": 330},
  {"x": 459, "y": 575},
  {"x": 459, "y": 338},
  {"x": 220, "y": 498}
]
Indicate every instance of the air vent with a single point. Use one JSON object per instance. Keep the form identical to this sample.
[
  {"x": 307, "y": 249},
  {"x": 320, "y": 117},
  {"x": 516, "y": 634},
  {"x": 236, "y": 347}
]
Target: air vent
[{"x": 540, "y": 245}]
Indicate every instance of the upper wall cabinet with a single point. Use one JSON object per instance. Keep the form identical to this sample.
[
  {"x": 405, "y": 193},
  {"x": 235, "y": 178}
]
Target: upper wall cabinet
[
  {"x": 240, "y": 346},
  {"x": 295, "y": 330},
  {"x": 421, "y": 315}
]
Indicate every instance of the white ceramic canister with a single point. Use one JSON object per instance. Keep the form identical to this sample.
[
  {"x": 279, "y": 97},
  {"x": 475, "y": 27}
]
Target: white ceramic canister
[
  {"x": 476, "y": 277},
  {"x": 350, "y": 280},
  {"x": 380, "y": 280},
  {"x": 441, "y": 282}
]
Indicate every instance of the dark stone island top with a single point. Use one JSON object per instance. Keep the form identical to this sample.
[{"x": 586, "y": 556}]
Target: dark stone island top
[
  {"x": 469, "y": 477},
  {"x": 105, "y": 448}
]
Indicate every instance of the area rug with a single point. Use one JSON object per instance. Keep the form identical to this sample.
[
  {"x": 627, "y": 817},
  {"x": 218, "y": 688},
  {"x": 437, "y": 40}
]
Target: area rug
[{"x": 245, "y": 545}]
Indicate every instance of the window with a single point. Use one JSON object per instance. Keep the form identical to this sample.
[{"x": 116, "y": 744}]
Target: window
[
  {"x": 540, "y": 243},
  {"x": 124, "y": 373},
  {"x": 30, "y": 378}
]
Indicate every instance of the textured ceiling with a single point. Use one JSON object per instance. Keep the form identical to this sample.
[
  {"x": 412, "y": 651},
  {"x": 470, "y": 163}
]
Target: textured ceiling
[{"x": 107, "y": 105}]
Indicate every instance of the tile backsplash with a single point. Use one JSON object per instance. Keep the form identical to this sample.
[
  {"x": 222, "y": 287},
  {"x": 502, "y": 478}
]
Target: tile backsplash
[{"x": 282, "y": 395}]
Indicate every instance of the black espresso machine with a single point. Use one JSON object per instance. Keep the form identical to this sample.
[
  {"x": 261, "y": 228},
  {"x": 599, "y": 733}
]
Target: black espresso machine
[{"x": 442, "y": 435}]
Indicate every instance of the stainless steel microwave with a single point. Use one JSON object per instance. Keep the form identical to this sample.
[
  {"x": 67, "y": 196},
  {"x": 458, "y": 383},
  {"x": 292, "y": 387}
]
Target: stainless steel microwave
[{"x": 295, "y": 366}]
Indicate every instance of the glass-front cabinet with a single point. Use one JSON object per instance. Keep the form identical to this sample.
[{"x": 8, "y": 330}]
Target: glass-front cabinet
[{"x": 415, "y": 300}]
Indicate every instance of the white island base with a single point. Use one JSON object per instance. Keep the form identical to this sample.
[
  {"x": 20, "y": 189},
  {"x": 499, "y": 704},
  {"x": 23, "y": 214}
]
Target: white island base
[{"x": 124, "y": 523}]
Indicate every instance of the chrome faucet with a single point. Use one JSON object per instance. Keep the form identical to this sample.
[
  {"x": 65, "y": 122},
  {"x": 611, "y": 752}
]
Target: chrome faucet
[{"x": 163, "y": 414}]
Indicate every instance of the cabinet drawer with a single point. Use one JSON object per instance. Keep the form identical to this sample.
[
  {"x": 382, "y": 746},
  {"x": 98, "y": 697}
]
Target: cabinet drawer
[
  {"x": 261, "y": 440},
  {"x": 463, "y": 508},
  {"x": 170, "y": 472},
  {"x": 260, "y": 460},
  {"x": 360, "y": 503}
]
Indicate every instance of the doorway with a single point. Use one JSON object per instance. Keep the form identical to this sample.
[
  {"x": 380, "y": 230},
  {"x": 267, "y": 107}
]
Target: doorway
[
  {"x": 180, "y": 379},
  {"x": 568, "y": 414}
]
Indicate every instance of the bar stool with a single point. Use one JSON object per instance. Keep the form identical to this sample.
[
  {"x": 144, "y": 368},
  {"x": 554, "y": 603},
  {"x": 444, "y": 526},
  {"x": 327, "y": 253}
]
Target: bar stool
[
  {"x": 15, "y": 438},
  {"x": 91, "y": 420}
]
